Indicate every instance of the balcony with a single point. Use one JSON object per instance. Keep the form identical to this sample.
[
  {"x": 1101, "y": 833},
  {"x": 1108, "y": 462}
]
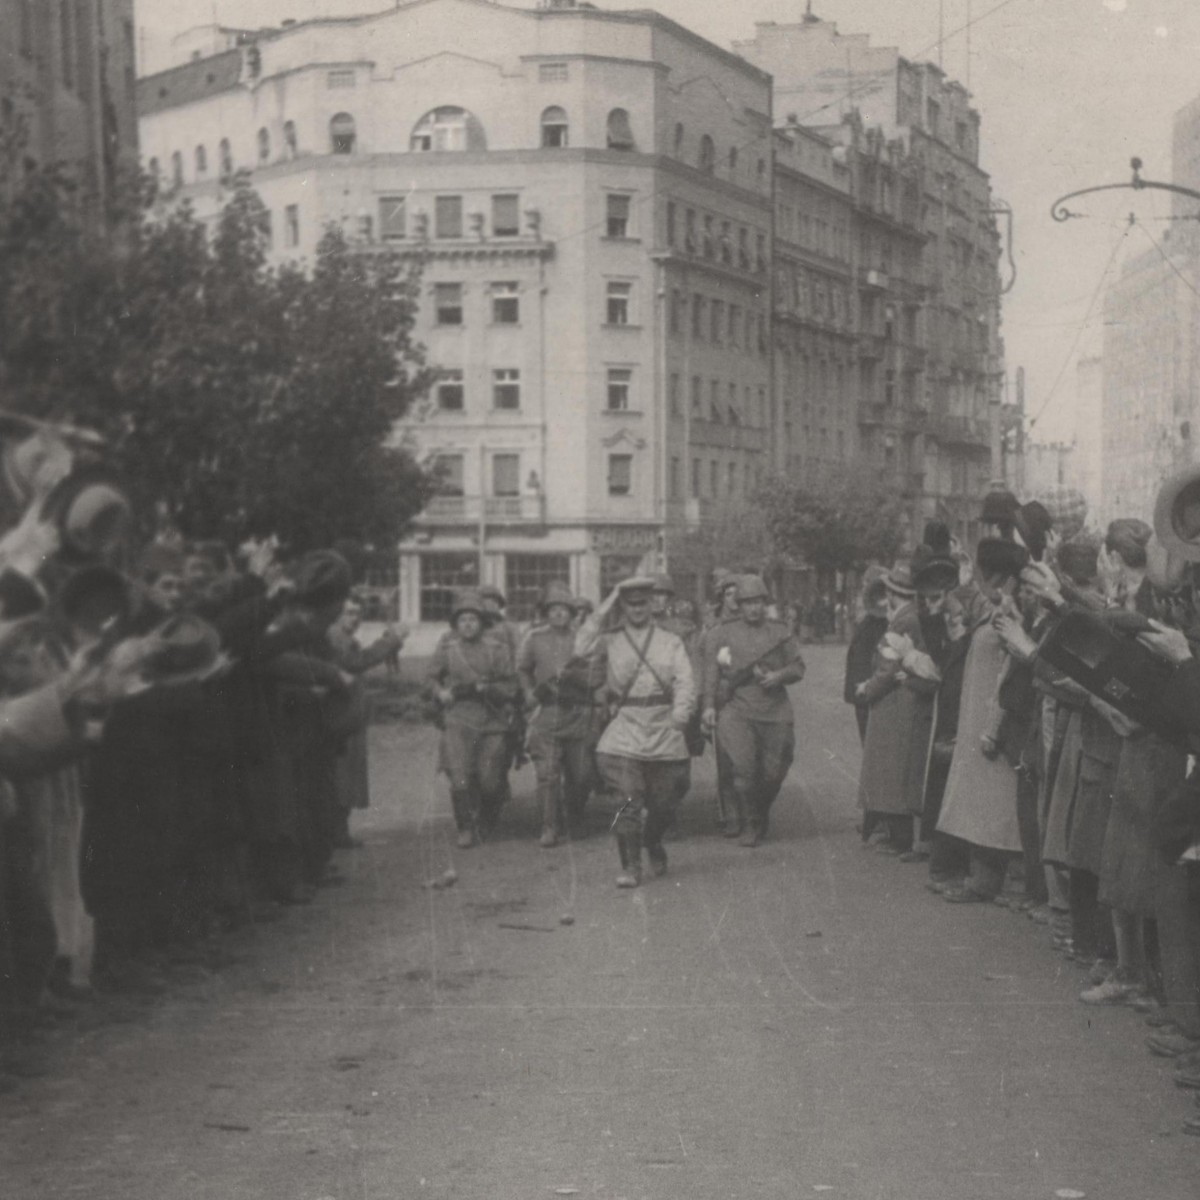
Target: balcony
[
  {"x": 961, "y": 431},
  {"x": 492, "y": 510}
]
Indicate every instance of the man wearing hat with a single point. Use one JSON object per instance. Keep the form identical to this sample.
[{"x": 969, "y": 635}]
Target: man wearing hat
[
  {"x": 473, "y": 678},
  {"x": 642, "y": 755},
  {"x": 726, "y": 611},
  {"x": 561, "y": 689},
  {"x": 751, "y": 663}
]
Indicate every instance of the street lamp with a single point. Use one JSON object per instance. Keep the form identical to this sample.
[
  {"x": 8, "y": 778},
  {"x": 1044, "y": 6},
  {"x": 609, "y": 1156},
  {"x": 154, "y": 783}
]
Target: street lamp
[{"x": 1060, "y": 212}]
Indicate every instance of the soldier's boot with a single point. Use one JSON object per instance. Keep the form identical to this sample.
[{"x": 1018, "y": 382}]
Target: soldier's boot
[
  {"x": 549, "y": 797},
  {"x": 752, "y": 831},
  {"x": 629, "y": 848},
  {"x": 657, "y": 823}
]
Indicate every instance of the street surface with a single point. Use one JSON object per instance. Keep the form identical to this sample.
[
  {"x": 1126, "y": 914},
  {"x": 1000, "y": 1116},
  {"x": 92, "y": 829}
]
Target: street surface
[{"x": 804, "y": 1019}]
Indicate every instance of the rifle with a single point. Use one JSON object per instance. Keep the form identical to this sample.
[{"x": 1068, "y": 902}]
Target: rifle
[{"x": 730, "y": 683}]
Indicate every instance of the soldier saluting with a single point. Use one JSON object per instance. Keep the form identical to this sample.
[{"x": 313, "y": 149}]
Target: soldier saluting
[
  {"x": 642, "y": 755},
  {"x": 750, "y": 663}
]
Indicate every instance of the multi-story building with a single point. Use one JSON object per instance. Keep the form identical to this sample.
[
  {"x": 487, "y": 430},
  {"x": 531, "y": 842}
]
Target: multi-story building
[
  {"x": 1087, "y": 461},
  {"x": 67, "y": 91},
  {"x": 588, "y": 194},
  {"x": 820, "y": 78}
]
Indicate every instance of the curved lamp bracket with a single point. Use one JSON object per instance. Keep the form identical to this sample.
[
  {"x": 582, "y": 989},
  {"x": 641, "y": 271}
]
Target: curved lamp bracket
[{"x": 1060, "y": 212}]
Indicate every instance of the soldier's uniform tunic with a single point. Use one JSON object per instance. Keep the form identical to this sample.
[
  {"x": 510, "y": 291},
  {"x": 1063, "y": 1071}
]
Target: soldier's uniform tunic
[
  {"x": 727, "y": 806},
  {"x": 755, "y": 725}
]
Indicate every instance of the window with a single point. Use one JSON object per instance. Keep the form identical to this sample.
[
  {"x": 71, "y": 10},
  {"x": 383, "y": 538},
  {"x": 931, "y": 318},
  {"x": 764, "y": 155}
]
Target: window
[
  {"x": 448, "y": 303},
  {"x": 620, "y": 380},
  {"x": 291, "y": 219},
  {"x": 674, "y": 405},
  {"x": 707, "y": 158},
  {"x": 714, "y": 478},
  {"x": 448, "y": 129},
  {"x": 617, "y": 215},
  {"x": 620, "y": 132},
  {"x": 506, "y": 474},
  {"x": 339, "y": 80},
  {"x": 177, "y": 169},
  {"x": 448, "y": 471},
  {"x": 673, "y": 313},
  {"x": 393, "y": 218},
  {"x": 617, "y": 309},
  {"x": 678, "y": 138},
  {"x": 506, "y": 304},
  {"x": 734, "y": 418},
  {"x": 451, "y": 395},
  {"x": 226, "y": 157},
  {"x": 699, "y": 309},
  {"x": 264, "y": 146},
  {"x": 443, "y": 574},
  {"x": 66, "y": 33},
  {"x": 731, "y": 480},
  {"x": 620, "y": 474},
  {"x": 717, "y": 324},
  {"x": 697, "y": 396},
  {"x": 733, "y": 160},
  {"x": 448, "y": 217},
  {"x": 554, "y": 128},
  {"x": 506, "y": 215},
  {"x": 714, "y": 401},
  {"x": 268, "y": 229},
  {"x": 342, "y": 133},
  {"x": 695, "y": 479},
  {"x": 289, "y": 139},
  {"x": 670, "y": 222},
  {"x": 553, "y": 73},
  {"x": 506, "y": 389},
  {"x": 525, "y": 580},
  {"x": 674, "y": 481},
  {"x": 735, "y": 324}
]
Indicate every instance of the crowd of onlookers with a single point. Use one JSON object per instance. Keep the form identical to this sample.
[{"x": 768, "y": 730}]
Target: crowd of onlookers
[
  {"x": 1029, "y": 713},
  {"x": 182, "y": 736}
]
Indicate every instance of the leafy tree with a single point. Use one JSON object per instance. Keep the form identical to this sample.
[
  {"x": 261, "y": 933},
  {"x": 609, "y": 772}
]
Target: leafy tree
[
  {"x": 238, "y": 399},
  {"x": 737, "y": 539},
  {"x": 838, "y": 526}
]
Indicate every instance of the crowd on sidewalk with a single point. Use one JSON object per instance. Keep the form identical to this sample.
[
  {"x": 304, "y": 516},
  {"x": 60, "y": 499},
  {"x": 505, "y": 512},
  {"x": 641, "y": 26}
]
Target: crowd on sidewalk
[
  {"x": 182, "y": 737},
  {"x": 1029, "y": 716}
]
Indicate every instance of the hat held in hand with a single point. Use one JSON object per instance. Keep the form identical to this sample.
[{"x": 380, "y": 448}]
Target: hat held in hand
[{"x": 1177, "y": 514}]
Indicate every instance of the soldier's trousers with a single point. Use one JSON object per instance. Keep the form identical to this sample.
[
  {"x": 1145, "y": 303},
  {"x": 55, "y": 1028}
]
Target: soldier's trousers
[
  {"x": 563, "y": 767},
  {"x": 477, "y": 765},
  {"x": 760, "y": 756},
  {"x": 652, "y": 786}
]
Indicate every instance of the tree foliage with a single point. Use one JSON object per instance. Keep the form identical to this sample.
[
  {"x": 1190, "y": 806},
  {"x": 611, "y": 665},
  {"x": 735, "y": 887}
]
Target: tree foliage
[
  {"x": 737, "y": 538},
  {"x": 238, "y": 399},
  {"x": 839, "y": 525}
]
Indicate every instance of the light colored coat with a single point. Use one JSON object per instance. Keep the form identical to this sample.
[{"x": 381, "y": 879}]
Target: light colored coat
[{"x": 652, "y": 732}]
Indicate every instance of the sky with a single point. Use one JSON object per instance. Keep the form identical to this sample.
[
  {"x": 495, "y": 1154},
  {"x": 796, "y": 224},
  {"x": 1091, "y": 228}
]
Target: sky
[{"x": 1069, "y": 91}]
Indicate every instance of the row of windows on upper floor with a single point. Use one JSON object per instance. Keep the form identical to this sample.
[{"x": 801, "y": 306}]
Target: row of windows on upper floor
[
  {"x": 445, "y": 129},
  {"x": 719, "y": 322}
]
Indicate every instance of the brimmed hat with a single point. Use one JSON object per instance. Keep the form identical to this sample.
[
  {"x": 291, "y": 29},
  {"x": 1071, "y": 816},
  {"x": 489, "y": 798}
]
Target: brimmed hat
[
  {"x": 751, "y": 587},
  {"x": 1034, "y": 524},
  {"x": 999, "y": 556},
  {"x": 184, "y": 647},
  {"x": 1177, "y": 514},
  {"x": 323, "y": 577},
  {"x": 91, "y": 510},
  {"x": 937, "y": 573},
  {"x": 1067, "y": 507},
  {"x": 557, "y": 592},
  {"x": 937, "y": 538},
  {"x": 1079, "y": 561},
  {"x": 1165, "y": 569},
  {"x": 1127, "y": 537},
  {"x": 94, "y": 597},
  {"x": 899, "y": 580},
  {"x": 664, "y": 583},
  {"x": 463, "y": 601},
  {"x": 1000, "y": 508}
]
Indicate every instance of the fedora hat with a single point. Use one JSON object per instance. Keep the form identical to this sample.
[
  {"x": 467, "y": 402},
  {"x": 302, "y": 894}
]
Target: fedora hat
[
  {"x": 937, "y": 573},
  {"x": 184, "y": 647},
  {"x": 899, "y": 580},
  {"x": 999, "y": 556},
  {"x": 1177, "y": 514}
]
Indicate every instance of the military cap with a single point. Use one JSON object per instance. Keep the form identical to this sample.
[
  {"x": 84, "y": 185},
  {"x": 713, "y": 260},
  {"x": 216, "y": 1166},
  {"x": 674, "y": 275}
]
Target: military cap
[
  {"x": 636, "y": 583},
  {"x": 323, "y": 577},
  {"x": 751, "y": 587},
  {"x": 1177, "y": 514},
  {"x": 463, "y": 601}
]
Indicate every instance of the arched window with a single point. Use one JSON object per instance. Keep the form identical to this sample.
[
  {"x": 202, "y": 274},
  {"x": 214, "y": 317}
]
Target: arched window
[
  {"x": 448, "y": 129},
  {"x": 733, "y": 160},
  {"x": 342, "y": 133},
  {"x": 554, "y": 128},
  {"x": 620, "y": 132},
  {"x": 289, "y": 138},
  {"x": 177, "y": 169},
  {"x": 707, "y": 159},
  {"x": 679, "y": 139},
  {"x": 201, "y": 161},
  {"x": 226, "y": 155},
  {"x": 264, "y": 146}
]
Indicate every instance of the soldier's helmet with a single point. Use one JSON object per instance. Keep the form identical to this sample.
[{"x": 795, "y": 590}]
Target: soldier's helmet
[
  {"x": 490, "y": 591},
  {"x": 464, "y": 601},
  {"x": 557, "y": 592},
  {"x": 751, "y": 587},
  {"x": 664, "y": 583}
]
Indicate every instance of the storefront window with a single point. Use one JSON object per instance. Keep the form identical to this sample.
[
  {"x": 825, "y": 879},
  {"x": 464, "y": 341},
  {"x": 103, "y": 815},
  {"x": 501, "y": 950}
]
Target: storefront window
[
  {"x": 441, "y": 574},
  {"x": 525, "y": 578}
]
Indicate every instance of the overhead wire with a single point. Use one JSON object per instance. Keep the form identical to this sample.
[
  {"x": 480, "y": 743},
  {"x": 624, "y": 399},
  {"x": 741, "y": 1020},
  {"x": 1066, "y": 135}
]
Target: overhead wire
[{"x": 1167, "y": 259}]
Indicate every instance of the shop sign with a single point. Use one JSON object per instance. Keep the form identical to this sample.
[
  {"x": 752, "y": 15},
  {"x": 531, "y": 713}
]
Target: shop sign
[{"x": 622, "y": 537}]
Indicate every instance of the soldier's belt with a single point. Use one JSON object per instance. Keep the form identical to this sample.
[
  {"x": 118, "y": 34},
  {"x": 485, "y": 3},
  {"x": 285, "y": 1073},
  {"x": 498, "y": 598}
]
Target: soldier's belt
[{"x": 656, "y": 700}]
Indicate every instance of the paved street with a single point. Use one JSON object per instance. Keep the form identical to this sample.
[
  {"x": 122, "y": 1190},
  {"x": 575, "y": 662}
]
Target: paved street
[{"x": 803, "y": 1019}]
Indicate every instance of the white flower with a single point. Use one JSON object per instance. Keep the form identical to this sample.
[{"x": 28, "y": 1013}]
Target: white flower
[{"x": 724, "y": 657}]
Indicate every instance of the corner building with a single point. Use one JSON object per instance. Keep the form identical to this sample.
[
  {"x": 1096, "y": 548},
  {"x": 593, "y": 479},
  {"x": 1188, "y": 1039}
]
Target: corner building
[{"x": 589, "y": 194}]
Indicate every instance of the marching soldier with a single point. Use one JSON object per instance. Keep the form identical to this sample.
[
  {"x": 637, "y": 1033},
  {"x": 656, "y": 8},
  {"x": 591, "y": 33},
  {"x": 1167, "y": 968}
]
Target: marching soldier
[
  {"x": 750, "y": 663},
  {"x": 473, "y": 679},
  {"x": 642, "y": 755},
  {"x": 561, "y": 688},
  {"x": 497, "y": 625},
  {"x": 725, "y": 588}
]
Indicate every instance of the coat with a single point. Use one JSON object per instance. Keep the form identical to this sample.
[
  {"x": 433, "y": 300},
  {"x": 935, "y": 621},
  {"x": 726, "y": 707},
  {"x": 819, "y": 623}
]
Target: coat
[
  {"x": 896, "y": 752},
  {"x": 980, "y": 804}
]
